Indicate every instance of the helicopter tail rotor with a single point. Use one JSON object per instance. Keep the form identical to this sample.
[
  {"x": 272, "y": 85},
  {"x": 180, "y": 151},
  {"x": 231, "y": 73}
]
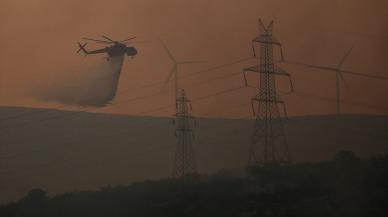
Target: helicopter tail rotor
[{"x": 82, "y": 47}]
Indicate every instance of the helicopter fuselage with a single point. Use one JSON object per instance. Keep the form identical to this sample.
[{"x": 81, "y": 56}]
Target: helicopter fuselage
[{"x": 119, "y": 49}]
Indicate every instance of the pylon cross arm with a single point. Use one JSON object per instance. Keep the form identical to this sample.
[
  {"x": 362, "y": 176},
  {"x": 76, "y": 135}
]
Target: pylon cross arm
[
  {"x": 280, "y": 71},
  {"x": 181, "y": 99},
  {"x": 252, "y": 69},
  {"x": 259, "y": 99},
  {"x": 269, "y": 69},
  {"x": 267, "y": 39}
]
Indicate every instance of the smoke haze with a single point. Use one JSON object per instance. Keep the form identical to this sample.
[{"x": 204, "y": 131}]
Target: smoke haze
[
  {"x": 94, "y": 87},
  {"x": 38, "y": 40}
]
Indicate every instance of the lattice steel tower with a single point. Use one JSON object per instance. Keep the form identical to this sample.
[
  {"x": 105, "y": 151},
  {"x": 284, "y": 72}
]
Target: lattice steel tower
[
  {"x": 269, "y": 143},
  {"x": 184, "y": 163}
]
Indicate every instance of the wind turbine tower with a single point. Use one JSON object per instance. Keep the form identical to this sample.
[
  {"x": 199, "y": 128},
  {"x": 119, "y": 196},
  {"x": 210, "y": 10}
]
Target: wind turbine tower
[
  {"x": 339, "y": 77},
  {"x": 184, "y": 162}
]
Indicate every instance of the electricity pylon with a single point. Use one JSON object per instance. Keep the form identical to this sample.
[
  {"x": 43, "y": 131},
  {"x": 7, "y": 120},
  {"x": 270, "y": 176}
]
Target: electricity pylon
[
  {"x": 184, "y": 162},
  {"x": 269, "y": 143},
  {"x": 339, "y": 76}
]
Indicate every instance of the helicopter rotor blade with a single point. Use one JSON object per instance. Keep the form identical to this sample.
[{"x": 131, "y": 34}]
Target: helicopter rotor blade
[
  {"x": 105, "y": 42},
  {"x": 135, "y": 42},
  {"x": 96, "y": 40},
  {"x": 108, "y": 38},
  {"x": 128, "y": 39}
]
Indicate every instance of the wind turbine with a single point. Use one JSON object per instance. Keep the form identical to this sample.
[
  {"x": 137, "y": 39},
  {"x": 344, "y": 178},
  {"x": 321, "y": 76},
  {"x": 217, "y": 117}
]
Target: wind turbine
[
  {"x": 175, "y": 66},
  {"x": 339, "y": 76},
  {"x": 184, "y": 162}
]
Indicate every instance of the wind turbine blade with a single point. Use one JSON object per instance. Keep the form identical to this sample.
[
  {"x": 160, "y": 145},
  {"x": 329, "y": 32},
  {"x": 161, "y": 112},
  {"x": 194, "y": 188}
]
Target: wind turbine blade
[
  {"x": 168, "y": 51},
  {"x": 365, "y": 75},
  {"x": 171, "y": 75},
  {"x": 313, "y": 66},
  {"x": 108, "y": 38},
  {"x": 344, "y": 58},
  {"x": 343, "y": 80}
]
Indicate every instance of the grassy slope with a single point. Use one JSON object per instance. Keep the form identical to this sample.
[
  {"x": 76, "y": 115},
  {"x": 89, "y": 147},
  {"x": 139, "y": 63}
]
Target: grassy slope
[{"x": 76, "y": 151}]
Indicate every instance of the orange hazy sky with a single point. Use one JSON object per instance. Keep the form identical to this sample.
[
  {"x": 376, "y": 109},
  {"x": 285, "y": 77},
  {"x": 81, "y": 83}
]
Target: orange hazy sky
[{"x": 38, "y": 50}]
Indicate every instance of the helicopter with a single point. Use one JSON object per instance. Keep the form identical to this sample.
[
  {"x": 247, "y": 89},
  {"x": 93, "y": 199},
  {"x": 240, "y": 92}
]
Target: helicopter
[{"x": 116, "y": 48}]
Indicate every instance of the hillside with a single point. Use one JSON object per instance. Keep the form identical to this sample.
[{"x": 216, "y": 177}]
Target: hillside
[
  {"x": 345, "y": 186},
  {"x": 63, "y": 151}
]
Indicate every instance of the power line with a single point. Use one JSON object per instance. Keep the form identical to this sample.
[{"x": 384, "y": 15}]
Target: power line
[
  {"x": 158, "y": 93},
  {"x": 194, "y": 100},
  {"x": 126, "y": 101},
  {"x": 332, "y": 68},
  {"x": 366, "y": 75},
  {"x": 191, "y": 74},
  {"x": 218, "y": 93},
  {"x": 237, "y": 88},
  {"x": 169, "y": 107},
  {"x": 133, "y": 99},
  {"x": 297, "y": 93},
  {"x": 323, "y": 98}
]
